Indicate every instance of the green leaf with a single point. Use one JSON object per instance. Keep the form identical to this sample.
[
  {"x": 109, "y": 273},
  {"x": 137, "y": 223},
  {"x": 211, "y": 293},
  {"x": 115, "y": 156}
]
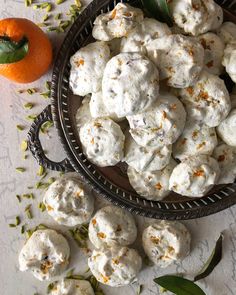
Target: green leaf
[
  {"x": 212, "y": 261},
  {"x": 179, "y": 285},
  {"x": 158, "y": 9},
  {"x": 12, "y": 51}
]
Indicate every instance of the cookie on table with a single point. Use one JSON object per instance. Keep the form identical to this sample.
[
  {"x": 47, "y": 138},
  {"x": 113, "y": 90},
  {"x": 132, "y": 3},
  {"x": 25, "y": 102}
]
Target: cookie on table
[
  {"x": 214, "y": 52},
  {"x": 152, "y": 185},
  {"x": 45, "y": 254},
  {"x": 161, "y": 124},
  {"x": 116, "y": 23},
  {"x": 87, "y": 67},
  {"x": 165, "y": 242},
  {"x": 227, "y": 32},
  {"x": 145, "y": 32},
  {"x": 196, "y": 17},
  {"x": 226, "y": 157},
  {"x": 180, "y": 59},
  {"x": 130, "y": 84},
  {"x": 72, "y": 286},
  {"x": 112, "y": 226},
  {"x": 102, "y": 141},
  {"x": 196, "y": 139},
  {"x": 146, "y": 158},
  {"x": 195, "y": 176},
  {"x": 207, "y": 101},
  {"x": 69, "y": 201},
  {"x": 115, "y": 266}
]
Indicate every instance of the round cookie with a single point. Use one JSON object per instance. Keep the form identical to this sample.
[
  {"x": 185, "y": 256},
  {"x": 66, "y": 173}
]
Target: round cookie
[
  {"x": 115, "y": 266},
  {"x": 196, "y": 139},
  {"x": 116, "y": 23},
  {"x": 146, "y": 158},
  {"x": 102, "y": 142},
  {"x": 164, "y": 242},
  {"x": 226, "y": 157},
  {"x": 226, "y": 129},
  {"x": 148, "y": 30},
  {"x": 196, "y": 17},
  {"x": 93, "y": 56},
  {"x": 180, "y": 59},
  {"x": 227, "y": 32},
  {"x": 69, "y": 201},
  {"x": 214, "y": 52},
  {"x": 112, "y": 226},
  {"x": 207, "y": 101},
  {"x": 83, "y": 114},
  {"x": 72, "y": 286},
  {"x": 194, "y": 176},
  {"x": 46, "y": 254},
  {"x": 229, "y": 60},
  {"x": 151, "y": 185},
  {"x": 161, "y": 124},
  {"x": 126, "y": 93}
]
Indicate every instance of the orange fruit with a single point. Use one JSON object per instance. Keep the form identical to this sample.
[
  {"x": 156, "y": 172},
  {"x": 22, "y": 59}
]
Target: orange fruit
[{"x": 38, "y": 58}]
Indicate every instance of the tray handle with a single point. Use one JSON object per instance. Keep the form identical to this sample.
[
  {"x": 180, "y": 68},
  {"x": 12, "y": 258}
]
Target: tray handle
[{"x": 35, "y": 146}]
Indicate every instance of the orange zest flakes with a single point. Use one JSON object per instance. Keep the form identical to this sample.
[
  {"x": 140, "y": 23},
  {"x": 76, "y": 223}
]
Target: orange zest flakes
[
  {"x": 183, "y": 141},
  {"x": 115, "y": 261},
  {"x": 128, "y": 14},
  {"x": 49, "y": 208},
  {"x": 221, "y": 158},
  {"x": 198, "y": 173},
  {"x": 170, "y": 249},
  {"x": 155, "y": 240},
  {"x": 97, "y": 124},
  {"x": 196, "y": 6},
  {"x": 190, "y": 90},
  {"x": 201, "y": 145},
  {"x": 80, "y": 62},
  {"x": 173, "y": 106},
  {"x": 94, "y": 221},
  {"x": 92, "y": 141},
  {"x": 194, "y": 134},
  {"x": 158, "y": 186},
  {"x": 78, "y": 194},
  {"x": 210, "y": 64},
  {"x": 191, "y": 52},
  {"x": 113, "y": 14},
  {"x": 45, "y": 266},
  {"x": 105, "y": 279},
  {"x": 164, "y": 114},
  {"x": 101, "y": 235},
  {"x": 203, "y": 95}
]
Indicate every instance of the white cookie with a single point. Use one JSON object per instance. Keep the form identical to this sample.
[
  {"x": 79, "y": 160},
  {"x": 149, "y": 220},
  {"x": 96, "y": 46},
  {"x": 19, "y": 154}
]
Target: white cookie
[
  {"x": 226, "y": 129},
  {"x": 151, "y": 185},
  {"x": 180, "y": 59},
  {"x": 196, "y": 17},
  {"x": 98, "y": 108},
  {"x": 195, "y": 176},
  {"x": 112, "y": 226},
  {"x": 116, "y": 23},
  {"x": 207, "y": 101},
  {"x": 130, "y": 84},
  {"x": 229, "y": 60},
  {"x": 46, "y": 254},
  {"x": 161, "y": 124},
  {"x": 196, "y": 139},
  {"x": 87, "y": 67},
  {"x": 148, "y": 30},
  {"x": 72, "y": 286},
  {"x": 115, "y": 266},
  {"x": 214, "y": 52},
  {"x": 146, "y": 158},
  {"x": 226, "y": 157},
  {"x": 102, "y": 142},
  {"x": 68, "y": 201},
  {"x": 83, "y": 114},
  {"x": 227, "y": 32},
  {"x": 164, "y": 242}
]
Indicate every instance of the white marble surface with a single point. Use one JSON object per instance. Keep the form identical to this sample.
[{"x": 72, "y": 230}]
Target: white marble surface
[{"x": 204, "y": 231}]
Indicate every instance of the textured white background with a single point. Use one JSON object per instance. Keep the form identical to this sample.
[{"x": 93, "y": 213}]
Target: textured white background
[{"x": 12, "y": 282}]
